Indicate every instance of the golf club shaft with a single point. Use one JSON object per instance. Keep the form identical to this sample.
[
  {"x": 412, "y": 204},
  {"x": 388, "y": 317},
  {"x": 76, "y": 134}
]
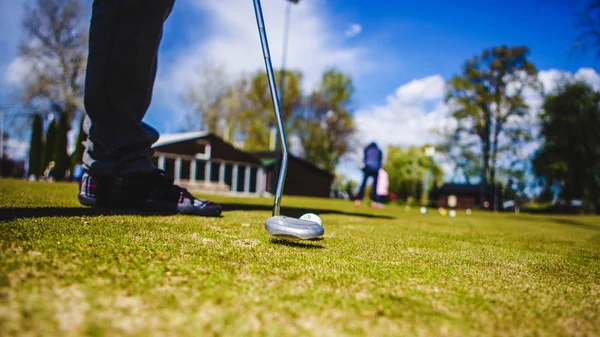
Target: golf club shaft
[{"x": 274, "y": 96}]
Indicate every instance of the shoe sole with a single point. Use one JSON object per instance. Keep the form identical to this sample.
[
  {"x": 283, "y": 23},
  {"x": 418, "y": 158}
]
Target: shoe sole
[{"x": 153, "y": 207}]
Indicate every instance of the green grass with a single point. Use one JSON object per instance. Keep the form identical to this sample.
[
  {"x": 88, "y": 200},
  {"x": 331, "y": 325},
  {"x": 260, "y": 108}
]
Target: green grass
[{"x": 69, "y": 271}]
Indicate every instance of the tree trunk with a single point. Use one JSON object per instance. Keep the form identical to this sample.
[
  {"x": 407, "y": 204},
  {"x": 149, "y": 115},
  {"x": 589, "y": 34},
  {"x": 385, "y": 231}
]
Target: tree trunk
[
  {"x": 36, "y": 147},
  {"x": 484, "y": 170},
  {"x": 497, "y": 130},
  {"x": 77, "y": 155}
]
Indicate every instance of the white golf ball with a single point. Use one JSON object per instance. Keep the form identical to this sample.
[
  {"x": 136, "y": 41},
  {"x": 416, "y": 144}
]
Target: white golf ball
[
  {"x": 423, "y": 210},
  {"x": 452, "y": 213},
  {"x": 468, "y": 211},
  {"x": 312, "y": 217}
]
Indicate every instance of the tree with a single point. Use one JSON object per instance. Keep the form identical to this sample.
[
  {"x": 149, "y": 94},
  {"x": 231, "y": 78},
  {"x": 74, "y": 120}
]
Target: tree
[
  {"x": 242, "y": 109},
  {"x": 488, "y": 105},
  {"x": 343, "y": 184},
  {"x": 77, "y": 155},
  {"x": 259, "y": 118},
  {"x": 35, "y": 147},
  {"x": 49, "y": 145},
  {"x": 515, "y": 189},
  {"x": 462, "y": 153},
  {"x": 325, "y": 127},
  {"x": 407, "y": 169},
  {"x": 546, "y": 195},
  {"x": 205, "y": 96},
  {"x": 61, "y": 158},
  {"x": 54, "y": 45},
  {"x": 570, "y": 154},
  {"x": 589, "y": 26},
  {"x": 233, "y": 104}
]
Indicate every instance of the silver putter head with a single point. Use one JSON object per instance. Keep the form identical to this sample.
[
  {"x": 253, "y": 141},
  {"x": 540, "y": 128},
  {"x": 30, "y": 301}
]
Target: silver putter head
[{"x": 292, "y": 228}]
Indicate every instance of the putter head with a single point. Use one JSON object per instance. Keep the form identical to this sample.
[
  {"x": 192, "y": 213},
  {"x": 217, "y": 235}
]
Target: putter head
[{"x": 292, "y": 228}]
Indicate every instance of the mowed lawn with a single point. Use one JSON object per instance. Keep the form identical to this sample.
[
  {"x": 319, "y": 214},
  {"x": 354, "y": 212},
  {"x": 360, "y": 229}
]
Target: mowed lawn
[{"x": 69, "y": 271}]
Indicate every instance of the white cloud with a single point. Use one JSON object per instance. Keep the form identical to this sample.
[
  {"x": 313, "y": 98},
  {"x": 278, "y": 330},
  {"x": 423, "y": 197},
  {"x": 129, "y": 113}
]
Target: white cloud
[
  {"x": 408, "y": 117},
  {"x": 590, "y": 76},
  {"x": 233, "y": 41},
  {"x": 16, "y": 149},
  {"x": 353, "y": 30},
  {"x": 551, "y": 78},
  {"x": 17, "y": 71}
]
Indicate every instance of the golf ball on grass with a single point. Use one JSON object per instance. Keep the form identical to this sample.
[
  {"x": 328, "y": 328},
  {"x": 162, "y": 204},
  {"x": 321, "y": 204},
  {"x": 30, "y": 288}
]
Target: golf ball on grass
[
  {"x": 423, "y": 210},
  {"x": 452, "y": 213},
  {"x": 312, "y": 217}
]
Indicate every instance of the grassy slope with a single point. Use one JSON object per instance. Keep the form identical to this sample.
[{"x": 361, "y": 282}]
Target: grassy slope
[{"x": 375, "y": 273}]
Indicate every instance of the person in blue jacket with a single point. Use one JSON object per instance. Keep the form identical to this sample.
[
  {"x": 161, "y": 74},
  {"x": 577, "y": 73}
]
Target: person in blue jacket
[{"x": 370, "y": 166}]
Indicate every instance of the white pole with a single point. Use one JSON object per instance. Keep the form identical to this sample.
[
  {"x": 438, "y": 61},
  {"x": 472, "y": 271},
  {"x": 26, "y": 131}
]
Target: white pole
[
  {"x": 222, "y": 173},
  {"x": 260, "y": 181},
  {"x": 234, "y": 178},
  {"x": 207, "y": 173},
  {"x": 247, "y": 179},
  {"x": 177, "y": 169},
  {"x": 162, "y": 162},
  {"x": 193, "y": 170}
]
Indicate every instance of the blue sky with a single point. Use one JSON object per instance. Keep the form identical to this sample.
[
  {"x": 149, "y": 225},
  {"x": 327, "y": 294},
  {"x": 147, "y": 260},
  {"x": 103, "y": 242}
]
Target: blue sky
[{"x": 398, "y": 52}]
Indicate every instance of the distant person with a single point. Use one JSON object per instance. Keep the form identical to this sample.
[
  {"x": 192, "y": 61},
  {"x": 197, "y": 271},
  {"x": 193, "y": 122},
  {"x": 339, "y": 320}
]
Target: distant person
[
  {"x": 372, "y": 157},
  {"x": 121, "y": 67},
  {"x": 49, "y": 171},
  {"x": 78, "y": 172},
  {"x": 383, "y": 183}
]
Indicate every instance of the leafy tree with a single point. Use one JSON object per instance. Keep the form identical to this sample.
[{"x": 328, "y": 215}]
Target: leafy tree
[
  {"x": 462, "y": 153},
  {"x": 589, "y": 26},
  {"x": 407, "y": 169},
  {"x": 36, "y": 146},
  {"x": 205, "y": 96},
  {"x": 570, "y": 155},
  {"x": 326, "y": 126},
  {"x": 546, "y": 195},
  {"x": 259, "y": 117},
  {"x": 242, "y": 109},
  {"x": 233, "y": 104},
  {"x": 488, "y": 105},
  {"x": 343, "y": 184},
  {"x": 54, "y": 45},
  {"x": 515, "y": 189}
]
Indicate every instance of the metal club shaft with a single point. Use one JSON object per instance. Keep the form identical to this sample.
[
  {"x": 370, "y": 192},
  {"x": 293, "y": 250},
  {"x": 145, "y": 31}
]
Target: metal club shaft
[{"x": 274, "y": 96}]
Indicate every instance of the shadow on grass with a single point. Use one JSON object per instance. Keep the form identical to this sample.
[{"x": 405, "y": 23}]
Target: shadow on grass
[
  {"x": 7, "y": 214},
  {"x": 571, "y": 222},
  {"x": 298, "y": 244},
  {"x": 297, "y": 211}
]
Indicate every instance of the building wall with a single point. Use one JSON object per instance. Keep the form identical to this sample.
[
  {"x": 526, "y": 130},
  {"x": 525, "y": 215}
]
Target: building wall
[
  {"x": 219, "y": 150},
  {"x": 301, "y": 180},
  {"x": 462, "y": 201}
]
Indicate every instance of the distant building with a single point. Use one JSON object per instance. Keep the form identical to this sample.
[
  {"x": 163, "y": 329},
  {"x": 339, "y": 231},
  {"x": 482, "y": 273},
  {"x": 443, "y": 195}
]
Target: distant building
[
  {"x": 466, "y": 196},
  {"x": 303, "y": 178},
  {"x": 204, "y": 160}
]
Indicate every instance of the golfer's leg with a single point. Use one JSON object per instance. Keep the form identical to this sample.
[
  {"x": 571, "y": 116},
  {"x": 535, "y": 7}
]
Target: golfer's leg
[{"x": 123, "y": 45}]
